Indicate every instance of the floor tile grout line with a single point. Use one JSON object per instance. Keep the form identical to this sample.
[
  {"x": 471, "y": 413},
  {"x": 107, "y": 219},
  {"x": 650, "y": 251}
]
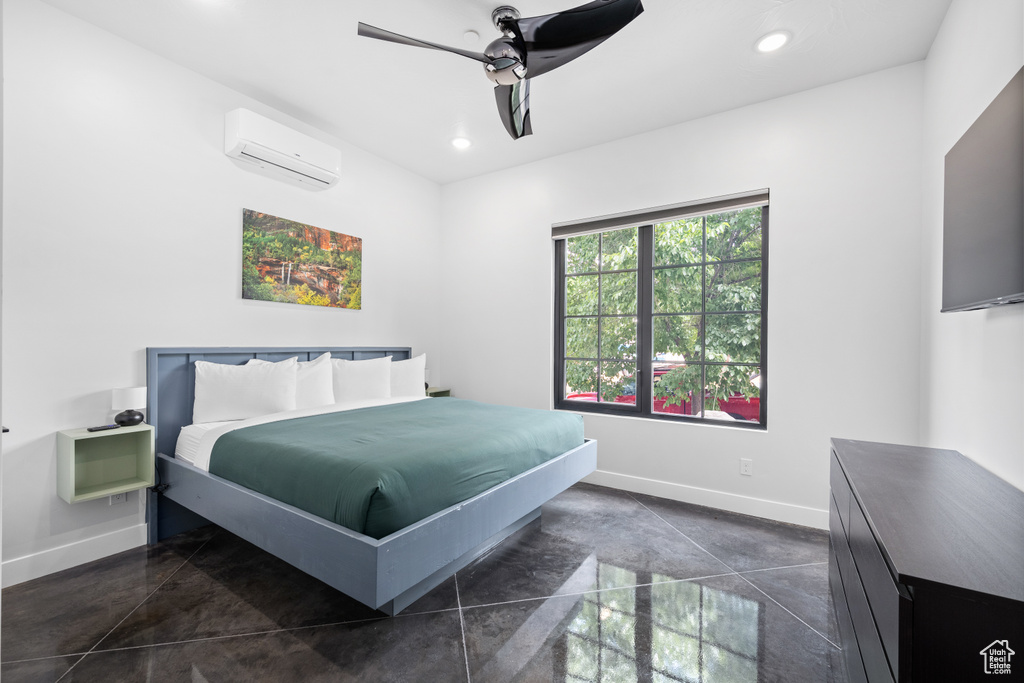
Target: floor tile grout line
[
  {"x": 136, "y": 608},
  {"x": 228, "y": 636},
  {"x": 407, "y": 614},
  {"x": 43, "y": 659},
  {"x": 165, "y": 643},
  {"x": 680, "y": 532},
  {"x": 787, "y": 566},
  {"x": 762, "y": 592},
  {"x": 462, "y": 626},
  {"x": 267, "y": 632},
  {"x": 726, "y": 564},
  {"x": 825, "y": 638}
]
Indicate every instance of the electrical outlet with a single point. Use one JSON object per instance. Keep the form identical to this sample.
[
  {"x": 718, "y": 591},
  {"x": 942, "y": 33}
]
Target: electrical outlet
[
  {"x": 747, "y": 467},
  {"x": 118, "y": 498}
]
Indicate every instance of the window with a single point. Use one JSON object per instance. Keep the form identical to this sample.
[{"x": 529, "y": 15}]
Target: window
[{"x": 662, "y": 314}]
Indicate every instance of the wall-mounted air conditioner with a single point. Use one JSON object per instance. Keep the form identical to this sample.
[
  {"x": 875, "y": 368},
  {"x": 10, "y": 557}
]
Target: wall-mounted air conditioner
[{"x": 277, "y": 148}]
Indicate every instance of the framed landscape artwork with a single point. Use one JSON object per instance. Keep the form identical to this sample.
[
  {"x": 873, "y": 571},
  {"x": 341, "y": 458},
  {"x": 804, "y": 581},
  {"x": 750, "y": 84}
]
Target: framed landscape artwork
[{"x": 295, "y": 263}]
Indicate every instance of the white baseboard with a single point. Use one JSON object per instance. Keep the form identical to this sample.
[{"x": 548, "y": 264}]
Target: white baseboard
[
  {"x": 757, "y": 507},
  {"x": 28, "y": 567}
]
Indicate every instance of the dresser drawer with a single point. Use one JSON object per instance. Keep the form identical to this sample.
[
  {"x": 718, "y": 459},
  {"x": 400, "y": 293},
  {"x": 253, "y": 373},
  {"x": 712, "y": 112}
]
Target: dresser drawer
[
  {"x": 840, "y": 490},
  {"x": 888, "y": 606},
  {"x": 848, "y": 639},
  {"x": 837, "y": 535},
  {"x": 871, "y": 650}
]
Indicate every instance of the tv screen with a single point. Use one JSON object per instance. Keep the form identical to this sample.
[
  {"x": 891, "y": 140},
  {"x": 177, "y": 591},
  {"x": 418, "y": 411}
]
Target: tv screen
[{"x": 983, "y": 208}]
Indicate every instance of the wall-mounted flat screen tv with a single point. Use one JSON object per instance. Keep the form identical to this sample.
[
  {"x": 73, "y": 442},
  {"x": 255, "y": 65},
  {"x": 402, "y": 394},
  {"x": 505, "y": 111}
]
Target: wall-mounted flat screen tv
[{"x": 983, "y": 208}]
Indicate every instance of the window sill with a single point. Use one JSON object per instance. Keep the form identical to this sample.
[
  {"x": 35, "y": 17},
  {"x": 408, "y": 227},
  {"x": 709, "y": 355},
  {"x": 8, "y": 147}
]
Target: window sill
[{"x": 664, "y": 418}]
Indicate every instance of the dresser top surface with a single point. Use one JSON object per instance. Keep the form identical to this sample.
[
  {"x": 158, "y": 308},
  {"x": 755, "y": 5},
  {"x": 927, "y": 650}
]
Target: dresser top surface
[{"x": 940, "y": 517}]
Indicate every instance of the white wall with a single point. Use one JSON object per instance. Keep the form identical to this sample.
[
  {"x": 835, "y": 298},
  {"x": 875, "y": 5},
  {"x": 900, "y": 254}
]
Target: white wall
[
  {"x": 843, "y": 164},
  {"x": 973, "y": 361},
  {"x": 122, "y": 230},
  {"x": 1, "y": 281}
]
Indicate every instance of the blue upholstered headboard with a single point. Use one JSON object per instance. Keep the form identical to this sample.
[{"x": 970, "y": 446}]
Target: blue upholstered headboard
[{"x": 171, "y": 377}]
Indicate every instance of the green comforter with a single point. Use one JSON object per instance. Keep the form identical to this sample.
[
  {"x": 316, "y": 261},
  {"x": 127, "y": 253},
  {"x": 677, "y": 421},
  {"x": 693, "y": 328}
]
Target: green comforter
[{"x": 378, "y": 470}]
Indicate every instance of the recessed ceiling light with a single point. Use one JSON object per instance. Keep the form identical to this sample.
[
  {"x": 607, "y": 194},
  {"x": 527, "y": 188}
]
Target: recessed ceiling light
[
  {"x": 772, "y": 42},
  {"x": 471, "y": 37},
  {"x": 461, "y": 143}
]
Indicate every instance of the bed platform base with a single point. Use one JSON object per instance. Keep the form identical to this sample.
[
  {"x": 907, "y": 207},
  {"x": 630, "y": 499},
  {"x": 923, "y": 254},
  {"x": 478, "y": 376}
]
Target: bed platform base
[{"x": 388, "y": 574}]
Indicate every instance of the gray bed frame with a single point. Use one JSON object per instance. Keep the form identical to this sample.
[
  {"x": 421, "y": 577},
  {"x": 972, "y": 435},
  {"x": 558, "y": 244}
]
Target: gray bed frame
[{"x": 387, "y": 574}]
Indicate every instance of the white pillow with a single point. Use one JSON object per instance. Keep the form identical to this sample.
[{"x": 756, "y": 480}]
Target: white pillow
[
  {"x": 355, "y": 380},
  {"x": 237, "y": 392},
  {"x": 407, "y": 376},
  {"x": 314, "y": 381}
]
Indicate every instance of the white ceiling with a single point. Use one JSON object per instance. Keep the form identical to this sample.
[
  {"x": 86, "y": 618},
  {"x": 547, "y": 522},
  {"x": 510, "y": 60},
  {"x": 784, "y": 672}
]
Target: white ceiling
[{"x": 679, "y": 60}]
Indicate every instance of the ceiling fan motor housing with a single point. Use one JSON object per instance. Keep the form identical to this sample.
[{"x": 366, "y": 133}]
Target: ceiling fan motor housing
[
  {"x": 507, "y": 65},
  {"x": 508, "y": 58}
]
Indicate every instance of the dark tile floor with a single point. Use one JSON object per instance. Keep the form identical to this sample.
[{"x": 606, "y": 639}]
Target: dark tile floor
[{"x": 606, "y": 586}]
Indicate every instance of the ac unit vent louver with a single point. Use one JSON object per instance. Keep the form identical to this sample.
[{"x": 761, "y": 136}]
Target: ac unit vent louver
[{"x": 258, "y": 140}]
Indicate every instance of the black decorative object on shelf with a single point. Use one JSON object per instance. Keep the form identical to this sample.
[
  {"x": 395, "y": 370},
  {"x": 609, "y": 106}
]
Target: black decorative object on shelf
[
  {"x": 128, "y": 400},
  {"x": 128, "y": 418},
  {"x": 530, "y": 47}
]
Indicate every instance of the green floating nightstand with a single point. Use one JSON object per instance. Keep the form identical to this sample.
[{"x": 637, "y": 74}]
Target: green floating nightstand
[
  {"x": 97, "y": 464},
  {"x": 437, "y": 392}
]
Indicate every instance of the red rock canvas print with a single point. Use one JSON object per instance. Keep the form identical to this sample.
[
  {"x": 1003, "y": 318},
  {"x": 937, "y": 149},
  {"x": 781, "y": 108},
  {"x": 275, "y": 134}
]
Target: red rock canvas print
[{"x": 295, "y": 263}]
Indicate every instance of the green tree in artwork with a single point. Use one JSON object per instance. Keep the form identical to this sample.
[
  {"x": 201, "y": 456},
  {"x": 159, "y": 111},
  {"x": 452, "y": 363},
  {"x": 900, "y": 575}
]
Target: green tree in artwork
[
  {"x": 251, "y": 282},
  {"x": 350, "y": 287},
  {"x": 305, "y": 295},
  {"x": 252, "y": 250}
]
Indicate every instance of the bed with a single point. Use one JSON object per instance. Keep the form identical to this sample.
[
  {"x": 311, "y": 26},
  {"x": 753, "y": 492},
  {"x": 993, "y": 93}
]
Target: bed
[{"x": 387, "y": 573}]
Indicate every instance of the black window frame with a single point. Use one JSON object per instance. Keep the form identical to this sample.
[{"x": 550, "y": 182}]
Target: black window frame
[{"x": 645, "y": 222}]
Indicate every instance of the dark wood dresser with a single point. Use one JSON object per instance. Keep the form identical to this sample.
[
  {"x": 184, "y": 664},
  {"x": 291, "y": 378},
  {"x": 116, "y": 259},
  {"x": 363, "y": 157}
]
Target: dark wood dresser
[{"x": 926, "y": 565}]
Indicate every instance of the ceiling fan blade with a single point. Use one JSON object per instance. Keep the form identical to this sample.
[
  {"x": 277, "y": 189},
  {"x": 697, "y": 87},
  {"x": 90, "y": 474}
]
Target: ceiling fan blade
[
  {"x": 514, "y": 107},
  {"x": 380, "y": 34},
  {"x": 556, "y": 39}
]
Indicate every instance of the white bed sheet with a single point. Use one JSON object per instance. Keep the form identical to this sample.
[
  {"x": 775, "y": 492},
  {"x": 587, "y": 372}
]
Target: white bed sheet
[
  {"x": 195, "y": 441},
  {"x": 189, "y": 437}
]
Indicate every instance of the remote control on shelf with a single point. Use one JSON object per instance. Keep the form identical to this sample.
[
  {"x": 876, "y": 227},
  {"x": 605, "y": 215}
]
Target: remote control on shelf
[{"x": 101, "y": 428}]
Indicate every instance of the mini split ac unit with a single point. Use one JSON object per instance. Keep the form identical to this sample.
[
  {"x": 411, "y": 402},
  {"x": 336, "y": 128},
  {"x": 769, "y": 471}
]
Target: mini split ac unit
[{"x": 257, "y": 140}]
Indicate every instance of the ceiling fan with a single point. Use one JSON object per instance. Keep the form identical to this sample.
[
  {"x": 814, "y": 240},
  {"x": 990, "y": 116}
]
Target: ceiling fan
[{"x": 530, "y": 47}]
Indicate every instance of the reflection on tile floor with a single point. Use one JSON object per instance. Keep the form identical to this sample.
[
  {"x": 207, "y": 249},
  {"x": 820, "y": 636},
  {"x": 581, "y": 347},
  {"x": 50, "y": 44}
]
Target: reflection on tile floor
[{"x": 606, "y": 586}]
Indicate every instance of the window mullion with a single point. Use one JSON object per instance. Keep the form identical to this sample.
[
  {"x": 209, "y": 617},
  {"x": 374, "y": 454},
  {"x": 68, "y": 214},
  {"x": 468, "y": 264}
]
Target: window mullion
[
  {"x": 560, "y": 311},
  {"x": 644, "y": 305},
  {"x": 763, "y": 360},
  {"x": 600, "y": 310},
  {"x": 702, "y": 389}
]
